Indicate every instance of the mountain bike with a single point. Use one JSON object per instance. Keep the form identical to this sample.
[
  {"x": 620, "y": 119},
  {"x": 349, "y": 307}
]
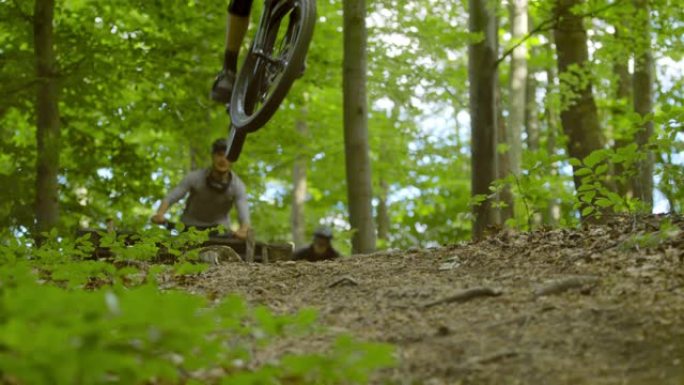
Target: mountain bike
[{"x": 274, "y": 61}]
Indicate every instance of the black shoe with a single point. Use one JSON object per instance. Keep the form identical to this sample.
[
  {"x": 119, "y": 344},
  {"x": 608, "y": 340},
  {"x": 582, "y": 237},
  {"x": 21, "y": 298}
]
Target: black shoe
[{"x": 222, "y": 89}]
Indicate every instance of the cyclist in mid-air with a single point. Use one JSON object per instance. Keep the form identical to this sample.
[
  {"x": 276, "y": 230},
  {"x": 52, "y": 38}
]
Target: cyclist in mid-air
[{"x": 236, "y": 26}]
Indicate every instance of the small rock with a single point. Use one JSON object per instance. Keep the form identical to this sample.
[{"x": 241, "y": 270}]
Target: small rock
[
  {"x": 443, "y": 331},
  {"x": 218, "y": 254},
  {"x": 450, "y": 264}
]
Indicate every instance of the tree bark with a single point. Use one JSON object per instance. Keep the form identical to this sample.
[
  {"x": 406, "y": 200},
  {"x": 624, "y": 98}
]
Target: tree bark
[
  {"x": 482, "y": 76},
  {"x": 532, "y": 116},
  {"x": 195, "y": 157},
  {"x": 642, "y": 183},
  {"x": 505, "y": 198},
  {"x": 552, "y": 214},
  {"x": 532, "y": 129},
  {"x": 621, "y": 105},
  {"x": 531, "y": 113},
  {"x": 299, "y": 172},
  {"x": 359, "y": 190},
  {"x": 518, "y": 12},
  {"x": 579, "y": 119},
  {"x": 47, "y": 118},
  {"x": 383, "y": 212}
]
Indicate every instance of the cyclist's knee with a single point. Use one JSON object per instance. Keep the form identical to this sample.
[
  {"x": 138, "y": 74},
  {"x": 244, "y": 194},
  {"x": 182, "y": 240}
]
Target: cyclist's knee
[{"x": 240, "y": 7}]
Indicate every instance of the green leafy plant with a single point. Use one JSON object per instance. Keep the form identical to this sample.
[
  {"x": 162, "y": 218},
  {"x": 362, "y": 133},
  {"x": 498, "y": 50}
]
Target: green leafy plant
[
  {"x": 666, "y": 232},
  {"x": 594, "y": 195},
  {"x": 54, "y": 331}
]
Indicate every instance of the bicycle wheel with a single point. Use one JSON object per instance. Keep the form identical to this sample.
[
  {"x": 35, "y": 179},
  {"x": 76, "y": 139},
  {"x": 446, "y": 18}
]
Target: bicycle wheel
[{"x": 272, "y": 63}]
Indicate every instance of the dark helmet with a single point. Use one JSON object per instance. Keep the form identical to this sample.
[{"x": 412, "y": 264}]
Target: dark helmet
[
  {"x": 219, "y": 145},
  {"x": 323, "y": 232}
]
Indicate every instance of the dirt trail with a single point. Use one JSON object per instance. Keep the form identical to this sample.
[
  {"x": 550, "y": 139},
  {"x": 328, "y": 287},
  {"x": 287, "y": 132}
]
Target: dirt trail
[{"x": 603, "y": 305}]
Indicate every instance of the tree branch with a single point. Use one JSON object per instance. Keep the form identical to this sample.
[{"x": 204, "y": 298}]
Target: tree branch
[
  {"x": 547, "y": 25},
  {"x": 542, "y": 27}
]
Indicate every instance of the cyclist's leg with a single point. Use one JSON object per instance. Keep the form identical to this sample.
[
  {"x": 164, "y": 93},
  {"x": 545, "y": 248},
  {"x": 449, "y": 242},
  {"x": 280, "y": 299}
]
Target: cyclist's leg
[
  {"x": 236, "y": 27},
  {"x": 237, "y": 23}
]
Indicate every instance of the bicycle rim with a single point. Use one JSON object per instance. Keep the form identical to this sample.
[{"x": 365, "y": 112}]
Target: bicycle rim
[{"x": 262, "y": 85}]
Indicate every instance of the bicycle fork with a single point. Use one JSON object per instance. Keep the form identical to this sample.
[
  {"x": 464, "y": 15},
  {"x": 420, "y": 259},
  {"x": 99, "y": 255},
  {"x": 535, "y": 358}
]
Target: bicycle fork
[{"x": 236, "y": 140}]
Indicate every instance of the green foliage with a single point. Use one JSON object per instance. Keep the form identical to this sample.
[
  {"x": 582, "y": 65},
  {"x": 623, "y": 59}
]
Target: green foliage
[
  {"x": 668, "y": 145},
  {"x": 653, "y": 239},
  {"x": 135, "y": 116},
  {"x": 538, "y": 186},
  {"x": 52, "y": 331}
]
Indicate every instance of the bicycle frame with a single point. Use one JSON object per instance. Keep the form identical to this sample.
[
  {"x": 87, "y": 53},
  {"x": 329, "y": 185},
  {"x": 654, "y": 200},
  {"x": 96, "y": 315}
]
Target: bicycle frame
[
  {"x": 236, "y": 137},
  {"x": 266, "y": 67}
]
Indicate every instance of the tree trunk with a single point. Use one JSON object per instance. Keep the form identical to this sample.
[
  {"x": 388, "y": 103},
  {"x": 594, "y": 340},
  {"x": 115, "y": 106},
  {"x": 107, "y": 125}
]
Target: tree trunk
[
  {"x": 532, "y": 130},
  {"x": 196, "y": 160},
  {"x": 532, "y": 123},
  {"x": 482, "y": 76},
  {"x": 47, "y": 118},
  {"x": 531, "y": 113},
  {"x": 383, "y": 212},
  {"x": 299, "y": 192},
  {"x": 518, "y": 12},
  {"x": 623, "y": 93},
  {"x": 579, "y": 119},
  {"x": 553, "y": 212},
  {"x": 642, "y": 183},
  {"x": 505, "y": 198},
  {"x": 359, "y": 190}
]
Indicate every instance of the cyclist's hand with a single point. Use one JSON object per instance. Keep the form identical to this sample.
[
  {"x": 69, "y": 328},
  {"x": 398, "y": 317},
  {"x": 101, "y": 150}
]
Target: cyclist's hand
[{"x": 158, "y": 219}]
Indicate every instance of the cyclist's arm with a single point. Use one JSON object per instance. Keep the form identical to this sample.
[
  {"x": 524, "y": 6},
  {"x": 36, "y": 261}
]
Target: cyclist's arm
[
  {"x": 242, "y": 207},
  {"x": 174, "y": 196}
]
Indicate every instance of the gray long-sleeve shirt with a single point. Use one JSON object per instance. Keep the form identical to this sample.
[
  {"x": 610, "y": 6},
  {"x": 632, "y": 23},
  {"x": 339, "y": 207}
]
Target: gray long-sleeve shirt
[{"x": 207, "y": 207}]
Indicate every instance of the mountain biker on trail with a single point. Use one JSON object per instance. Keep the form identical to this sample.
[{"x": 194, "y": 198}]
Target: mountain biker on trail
[
  {"x": 213, "y": 192},
  {"x": 321, "y": 248}
]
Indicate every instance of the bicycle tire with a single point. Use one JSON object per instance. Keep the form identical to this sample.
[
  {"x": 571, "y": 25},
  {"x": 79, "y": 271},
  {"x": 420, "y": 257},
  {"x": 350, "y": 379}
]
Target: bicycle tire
[{"x": 250, "y": 78}]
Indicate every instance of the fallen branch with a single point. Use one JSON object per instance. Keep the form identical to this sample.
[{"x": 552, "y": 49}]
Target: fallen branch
[
  {"x": 466, "y": 295},
  {"x": 492, "y": 357},
  {"x": 560, "y": 286}
]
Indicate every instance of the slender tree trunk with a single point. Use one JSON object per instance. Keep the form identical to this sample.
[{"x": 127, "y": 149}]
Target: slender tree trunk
[
  {"x": 532, "y": 120},
  {"x": 359, "y": 190},
  {"x": 383, "y": 212},
  {"x": 505, "y": 198},
  {"x": 299, "y": 170},
  {"x": 457, "y": 140},
  {"x": 518, "y": 12},
  {"x": 642, "y": 184},
  {"x": 531, "y": 113},
  {"x": 579, "y": 119},
  {"x": 532, "y": 130},
  {"x": 670, "y": 186},
  {"x": 195, "y": 157},
  {"x": 47, "y": 118},
  {"x": 623, "y": 93},
  {"x": 553, "y": 212},
  {"x": 482, "y": 75}
]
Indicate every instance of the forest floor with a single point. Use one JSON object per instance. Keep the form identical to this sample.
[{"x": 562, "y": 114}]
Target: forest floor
[{"x": 600, "y": 305}]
